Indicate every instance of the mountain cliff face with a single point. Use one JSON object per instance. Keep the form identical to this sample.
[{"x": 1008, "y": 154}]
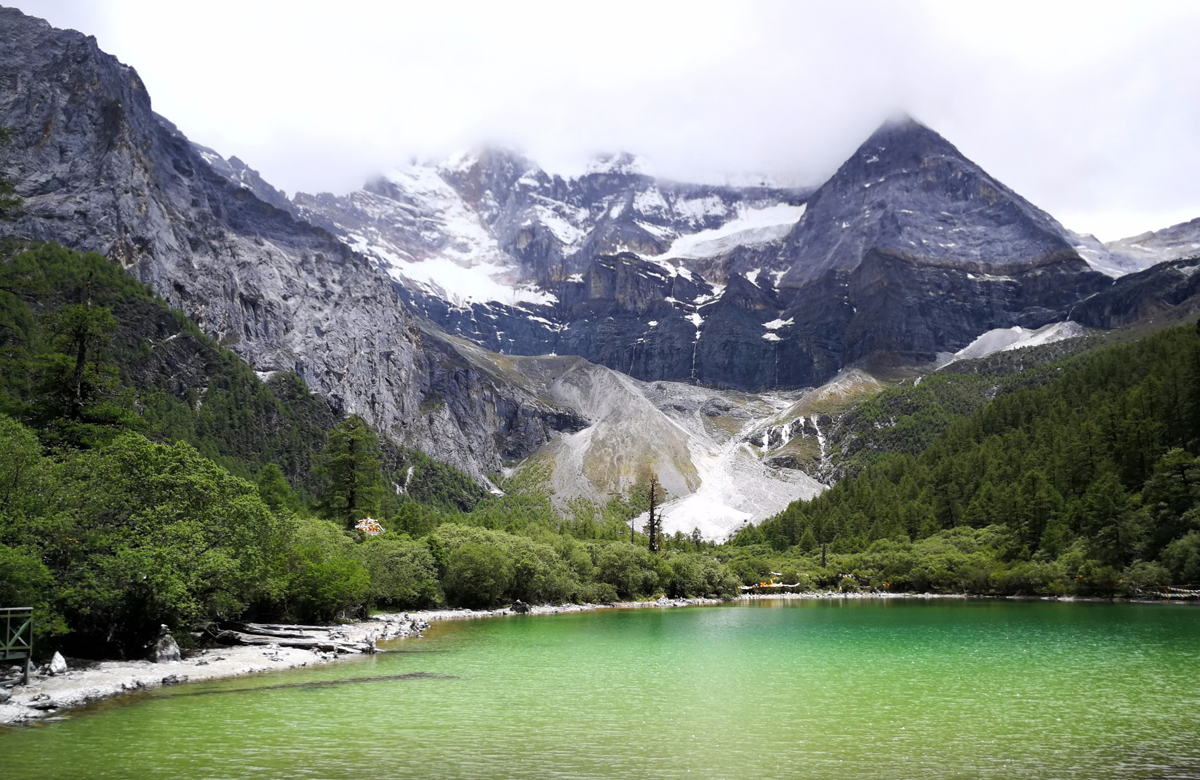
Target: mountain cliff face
[
  {"x": 908, "y": 192},
  {"x": 99, "y": 170}
]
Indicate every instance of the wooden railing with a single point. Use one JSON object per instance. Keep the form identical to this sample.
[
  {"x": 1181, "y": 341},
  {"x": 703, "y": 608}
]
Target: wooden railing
[{"x": 16, "y": 636}]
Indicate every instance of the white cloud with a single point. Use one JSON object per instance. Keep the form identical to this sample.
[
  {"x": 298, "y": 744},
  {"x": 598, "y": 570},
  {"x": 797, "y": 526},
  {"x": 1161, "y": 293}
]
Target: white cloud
[{"x": 1088, "y": 109}]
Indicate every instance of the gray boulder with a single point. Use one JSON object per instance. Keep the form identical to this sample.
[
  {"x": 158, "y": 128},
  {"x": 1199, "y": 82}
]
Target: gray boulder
[
  {"x": 164, "y": 648},
  {"x": 58, "y": 664}
]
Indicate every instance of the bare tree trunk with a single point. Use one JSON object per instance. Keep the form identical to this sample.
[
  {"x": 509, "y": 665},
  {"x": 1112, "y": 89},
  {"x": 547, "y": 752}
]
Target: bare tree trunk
[
  {"x": 653, "y": 523},
  {"x": 352, "y": 494},
  {"x": 81, "y": 356}
]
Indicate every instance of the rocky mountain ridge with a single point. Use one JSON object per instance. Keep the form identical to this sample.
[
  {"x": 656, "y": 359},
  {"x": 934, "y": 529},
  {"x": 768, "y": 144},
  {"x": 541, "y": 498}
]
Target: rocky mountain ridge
[{"x": 99, "y": 170}]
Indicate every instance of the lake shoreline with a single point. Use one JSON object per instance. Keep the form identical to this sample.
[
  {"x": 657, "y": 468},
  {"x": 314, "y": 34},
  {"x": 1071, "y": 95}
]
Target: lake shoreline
[{"x": 48, "y": 697}]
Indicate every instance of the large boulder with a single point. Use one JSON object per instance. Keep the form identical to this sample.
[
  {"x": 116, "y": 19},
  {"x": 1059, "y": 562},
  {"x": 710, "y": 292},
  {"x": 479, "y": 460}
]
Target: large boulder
[
  {"x": 58, "y": 664},
  {"x": 164, "y": 648}
]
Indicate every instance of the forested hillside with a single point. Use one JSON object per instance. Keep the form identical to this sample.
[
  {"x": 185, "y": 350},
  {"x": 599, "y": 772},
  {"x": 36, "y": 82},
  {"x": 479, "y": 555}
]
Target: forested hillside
[
  {"x": 907, "y": 417},
  {"x": 148, "y": 476},
  {"x": 1087, "y": 485}
]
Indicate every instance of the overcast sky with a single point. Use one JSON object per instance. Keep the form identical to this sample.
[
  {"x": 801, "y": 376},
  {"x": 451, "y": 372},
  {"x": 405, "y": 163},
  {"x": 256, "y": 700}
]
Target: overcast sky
[{"x": 1091, "y": 110}]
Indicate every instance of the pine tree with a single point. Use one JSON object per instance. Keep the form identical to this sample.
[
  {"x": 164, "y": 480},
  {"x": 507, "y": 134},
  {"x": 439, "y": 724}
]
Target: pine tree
[{"x": 350, "y": 464}]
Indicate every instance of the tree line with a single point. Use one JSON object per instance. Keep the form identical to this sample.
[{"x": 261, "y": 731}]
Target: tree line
[{"x": 1089, "y": 484}]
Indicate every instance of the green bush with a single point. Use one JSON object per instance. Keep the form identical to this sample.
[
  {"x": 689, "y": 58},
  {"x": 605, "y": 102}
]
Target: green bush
[
  {"x": 1031, "y": 578},
  {"x": 1182, "y": 559},
  {"x": 324, "y": 577},
  {"x": 691, "y": 575},
  {"x": 26, "y": 582},
  {"x": 598, "y": 593},
  {"x": 402, "y": 573},
  {"x": 1142, "y": 576},
  {"x": 477, "y": 576},
  {"x": 144, "y": 534}
]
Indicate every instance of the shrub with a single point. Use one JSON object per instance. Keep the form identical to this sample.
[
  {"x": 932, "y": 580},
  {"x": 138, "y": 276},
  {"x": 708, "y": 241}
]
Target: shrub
[
  {"x": 402, "y": 573},
  {"x": 1182, "y": 559},
  {"x": 477, "y": 575},
  {"x": 630, "y": 570},
  {"x": 324, "y": 575}
]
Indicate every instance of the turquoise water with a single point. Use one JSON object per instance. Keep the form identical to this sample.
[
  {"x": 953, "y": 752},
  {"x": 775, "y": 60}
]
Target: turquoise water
[{"x": 802, "y": 689}]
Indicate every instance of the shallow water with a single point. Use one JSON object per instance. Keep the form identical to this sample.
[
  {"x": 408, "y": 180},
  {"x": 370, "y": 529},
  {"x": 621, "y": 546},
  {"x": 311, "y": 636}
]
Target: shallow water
[{"x": 800, "y": 689}]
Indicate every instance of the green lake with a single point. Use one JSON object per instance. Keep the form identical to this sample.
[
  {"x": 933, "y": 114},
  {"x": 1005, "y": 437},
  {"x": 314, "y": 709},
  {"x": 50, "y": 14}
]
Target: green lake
[{"x": 775, "y": 689}]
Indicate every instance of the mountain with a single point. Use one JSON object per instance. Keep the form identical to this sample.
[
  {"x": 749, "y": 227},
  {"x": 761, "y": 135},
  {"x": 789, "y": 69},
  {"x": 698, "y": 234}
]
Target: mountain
[
  {"x": 606, "y": 265},
  {"x": 909, "y": 250},
  {"x": 907, "y": 192},
  {"x": 605, "y": 326},
  {"x": 1169, "y": 290},
  {"x": 99, "y": 170},
  {"x": 494, "y": 227},
  {"x": 1176, "y": 242}
]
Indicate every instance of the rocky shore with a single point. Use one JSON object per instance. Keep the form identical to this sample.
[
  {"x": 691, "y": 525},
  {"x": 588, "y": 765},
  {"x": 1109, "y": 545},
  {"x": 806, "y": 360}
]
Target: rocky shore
[{"x": 48, "y": 695}]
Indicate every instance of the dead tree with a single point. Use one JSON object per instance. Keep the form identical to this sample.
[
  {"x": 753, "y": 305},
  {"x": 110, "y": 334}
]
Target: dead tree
[{"x": 654, "y": 524}]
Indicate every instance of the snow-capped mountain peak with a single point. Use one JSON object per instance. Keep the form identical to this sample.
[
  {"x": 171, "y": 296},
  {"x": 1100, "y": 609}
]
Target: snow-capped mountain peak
[{"x": 623, "y": 163}]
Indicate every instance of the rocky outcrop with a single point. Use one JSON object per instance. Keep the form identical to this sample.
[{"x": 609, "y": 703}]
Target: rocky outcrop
[
  {"x": 1151, "y": 293},
  {"x": 99, "y": 170}
]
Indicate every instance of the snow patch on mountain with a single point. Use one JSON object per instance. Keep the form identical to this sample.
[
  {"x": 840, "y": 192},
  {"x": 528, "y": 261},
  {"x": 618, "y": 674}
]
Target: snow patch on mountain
[
  {"x": 455, "y": 282},
  {"x": 749, "y": 226},
  {"x": 650, "y": 203},
  {"x": 696, "y": 210},
  {"x": 620, "y": 163},
  {"x": 1016, "y": 337},
  {"x": 466, "y": 239},
  {"x": 569, "y": 234}
]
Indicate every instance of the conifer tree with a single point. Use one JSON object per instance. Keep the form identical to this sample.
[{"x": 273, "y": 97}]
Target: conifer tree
[{"x": 350, "y": 464}]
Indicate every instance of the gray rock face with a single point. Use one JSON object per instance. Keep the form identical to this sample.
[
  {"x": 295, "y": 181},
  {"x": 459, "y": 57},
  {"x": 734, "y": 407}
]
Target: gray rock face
[
  {"x": 908, "y": 192},
  {"x": 99, "y": 170},
  {"x": 1176, "y": 242},
  {"x": 1143, "y": 295}
]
